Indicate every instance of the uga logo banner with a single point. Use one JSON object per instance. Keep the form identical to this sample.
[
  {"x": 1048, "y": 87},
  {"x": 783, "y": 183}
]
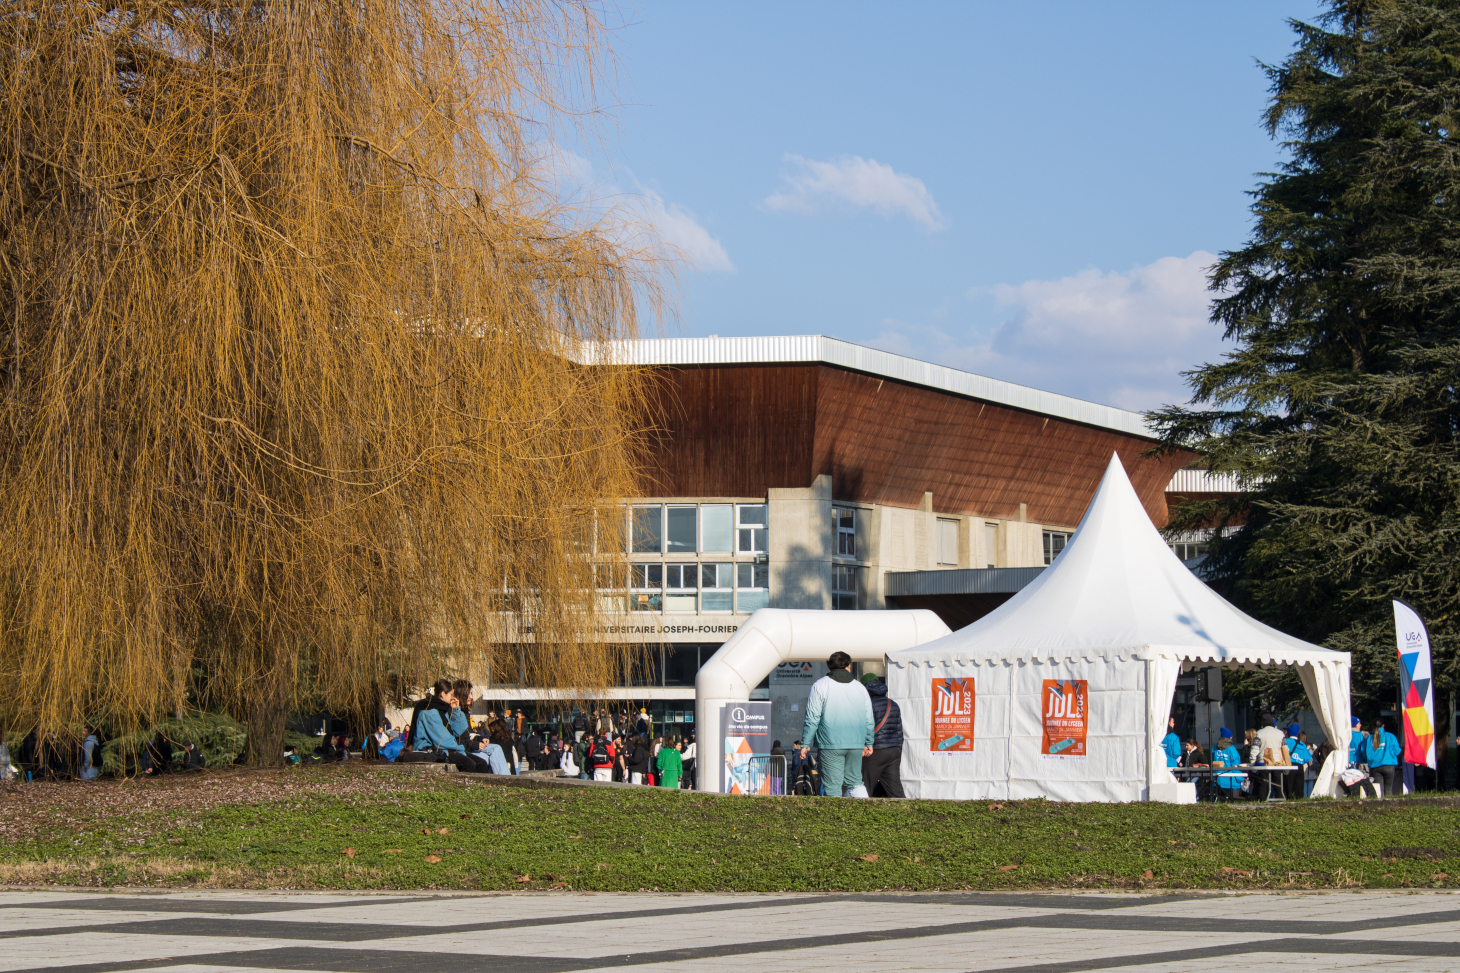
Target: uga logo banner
[
  {"x": 1065, "y": 715},
  {"x": 953, "y": 701}
]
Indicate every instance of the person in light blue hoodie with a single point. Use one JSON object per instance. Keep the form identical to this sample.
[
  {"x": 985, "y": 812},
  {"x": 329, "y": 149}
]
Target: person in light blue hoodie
[
  {"x": 1226, "y": 754},
  {"x": 1355, "y": 743},
  {"x": 1171, "y": 743},
  {"x": 1297, "y": 743},
  {"x": 1381, "y": 752},
  {"x": 839, "y": 725}
]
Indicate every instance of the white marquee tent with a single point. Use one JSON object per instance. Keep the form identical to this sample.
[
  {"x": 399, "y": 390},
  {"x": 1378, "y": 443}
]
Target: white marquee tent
[{"x": 1119, "y": 610}]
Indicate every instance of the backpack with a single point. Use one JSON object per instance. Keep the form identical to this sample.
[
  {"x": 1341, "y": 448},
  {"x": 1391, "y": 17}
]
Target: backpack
[{"x": 599, "y": 755}]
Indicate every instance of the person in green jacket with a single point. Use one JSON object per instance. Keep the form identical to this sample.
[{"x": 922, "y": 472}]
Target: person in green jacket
[{"x": 670, "y": 766}]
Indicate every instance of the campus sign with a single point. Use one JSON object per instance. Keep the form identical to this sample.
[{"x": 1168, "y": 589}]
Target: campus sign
[
  {"x": 649, "y": 628},
  {"x": 746, "y": 728}
]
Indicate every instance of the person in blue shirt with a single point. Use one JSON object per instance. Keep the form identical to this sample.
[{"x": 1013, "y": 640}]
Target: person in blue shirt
[
  {"x": 434, "y": 733},
  {"x": 1171, "y": 743},
  {"x": 1226, "y": 754},
  {"x": 1381, "y": 752},
  {"x": 1355, "y": 743},
  {"x": 1297, "y": 744}
]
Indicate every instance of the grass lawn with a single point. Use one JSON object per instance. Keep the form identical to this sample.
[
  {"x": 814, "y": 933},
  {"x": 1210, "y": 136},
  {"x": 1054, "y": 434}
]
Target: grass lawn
[{"x": 346, "y": 828}]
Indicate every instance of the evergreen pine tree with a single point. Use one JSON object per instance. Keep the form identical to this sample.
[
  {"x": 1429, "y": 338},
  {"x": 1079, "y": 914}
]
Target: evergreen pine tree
[{"x": 1338, "y": 409}]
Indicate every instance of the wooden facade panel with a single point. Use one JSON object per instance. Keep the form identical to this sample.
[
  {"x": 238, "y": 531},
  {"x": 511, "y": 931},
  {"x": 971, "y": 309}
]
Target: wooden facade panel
[
  {"x": 732, "y": 430},
  {"x": 885, "y": 442},
  {"x": 739, "y": 430}
]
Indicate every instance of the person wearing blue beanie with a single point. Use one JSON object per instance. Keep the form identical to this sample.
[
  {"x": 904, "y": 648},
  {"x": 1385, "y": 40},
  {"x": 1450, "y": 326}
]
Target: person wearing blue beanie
[
  {"x": 1355, "y": 742},
  {"x": 1224, "y": 754},
  {"x": 1300, "y": 755}
]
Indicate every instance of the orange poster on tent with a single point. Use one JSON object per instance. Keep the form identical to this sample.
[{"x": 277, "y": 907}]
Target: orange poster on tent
[
  {"x": 952, "y": 716},
  {"x": 1065, "y": 716}
]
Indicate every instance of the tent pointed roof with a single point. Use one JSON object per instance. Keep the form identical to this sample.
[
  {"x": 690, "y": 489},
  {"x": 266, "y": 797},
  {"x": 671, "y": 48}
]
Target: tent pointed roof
[{"x": 1117, "y": 588}]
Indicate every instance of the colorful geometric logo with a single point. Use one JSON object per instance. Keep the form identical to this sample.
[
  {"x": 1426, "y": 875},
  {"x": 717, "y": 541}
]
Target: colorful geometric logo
[{"x": 1414, "y": 685}]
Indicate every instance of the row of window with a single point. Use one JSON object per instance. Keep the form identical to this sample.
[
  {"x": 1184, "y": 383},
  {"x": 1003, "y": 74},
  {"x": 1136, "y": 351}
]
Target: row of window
[
  {"x": 688, "y": 588},
  {"x": 698, "y": 528},
  {"x": 724, "y": 528}
]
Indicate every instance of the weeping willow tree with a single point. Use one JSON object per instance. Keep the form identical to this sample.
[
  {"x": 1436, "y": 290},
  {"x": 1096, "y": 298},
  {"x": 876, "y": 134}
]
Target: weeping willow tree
[{"x": 293, "y": 402}]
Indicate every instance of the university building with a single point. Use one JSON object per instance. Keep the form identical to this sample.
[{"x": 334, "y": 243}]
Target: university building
[{"x": 808, "y": 472}]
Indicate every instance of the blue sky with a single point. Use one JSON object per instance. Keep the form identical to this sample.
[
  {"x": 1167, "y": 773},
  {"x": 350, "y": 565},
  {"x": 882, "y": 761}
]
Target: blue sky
[{"x": 1029, "y": 191}]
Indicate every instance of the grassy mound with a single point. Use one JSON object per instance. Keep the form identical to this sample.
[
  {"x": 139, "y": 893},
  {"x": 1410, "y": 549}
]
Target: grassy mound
[{"x": 399, "y": 829}]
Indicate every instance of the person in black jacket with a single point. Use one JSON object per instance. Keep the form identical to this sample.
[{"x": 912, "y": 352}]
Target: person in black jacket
[
  {"x": 884, "y": 766},
  {"x": 636, "y": 761}
]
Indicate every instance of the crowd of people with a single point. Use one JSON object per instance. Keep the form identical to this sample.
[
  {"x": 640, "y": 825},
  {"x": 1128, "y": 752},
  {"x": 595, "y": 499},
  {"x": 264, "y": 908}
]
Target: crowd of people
[
  {"x": 603, "y": 745},
  {"x": 1244, "y": 769}
]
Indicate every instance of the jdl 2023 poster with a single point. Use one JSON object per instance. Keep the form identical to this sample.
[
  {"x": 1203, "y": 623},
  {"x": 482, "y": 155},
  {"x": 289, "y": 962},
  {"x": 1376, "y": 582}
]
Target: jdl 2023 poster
[
  {"x": 953, "y": 701},
  {"x": 1065, "y": 716}
]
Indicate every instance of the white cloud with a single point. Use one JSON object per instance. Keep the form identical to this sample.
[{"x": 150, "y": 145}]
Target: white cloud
[
  {"x": 641, "y": 220},
  {"x": 665, "y": 226},
  {"x": 860, "y": 182},
  {"x": 1122, "y": 338}
]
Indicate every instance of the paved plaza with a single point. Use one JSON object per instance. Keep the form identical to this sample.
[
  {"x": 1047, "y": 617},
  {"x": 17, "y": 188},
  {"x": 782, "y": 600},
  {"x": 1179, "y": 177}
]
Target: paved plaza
[{"x": 239, "y": 932}]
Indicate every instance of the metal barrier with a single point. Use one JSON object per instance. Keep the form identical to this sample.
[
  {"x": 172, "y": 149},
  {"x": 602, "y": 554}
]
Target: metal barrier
[{"x": 777, "y": 771}]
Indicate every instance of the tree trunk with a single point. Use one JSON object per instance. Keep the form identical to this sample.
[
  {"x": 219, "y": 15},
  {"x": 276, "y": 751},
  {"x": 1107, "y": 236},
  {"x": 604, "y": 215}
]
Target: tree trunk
[{"x": 266, "y": 719}]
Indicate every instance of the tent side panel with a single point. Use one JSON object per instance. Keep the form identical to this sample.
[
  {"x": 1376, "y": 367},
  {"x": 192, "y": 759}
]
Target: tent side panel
[
  {"x": 1006, "y": 761},
  {"x": 1115, "y": 738},
  {"x": 983, "y": 773}
]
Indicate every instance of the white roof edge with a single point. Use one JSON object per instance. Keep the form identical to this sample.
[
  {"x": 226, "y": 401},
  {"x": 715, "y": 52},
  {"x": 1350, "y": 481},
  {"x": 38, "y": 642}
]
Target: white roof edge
[
  {"x": 1316, "y": 655},
  {"x": 844, "y": 354}
]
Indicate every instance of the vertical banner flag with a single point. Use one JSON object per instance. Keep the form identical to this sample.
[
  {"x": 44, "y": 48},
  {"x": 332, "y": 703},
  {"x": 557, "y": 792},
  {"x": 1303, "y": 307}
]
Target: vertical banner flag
[
  {"x": 1065, "y": 718},
  {"x": 1415, "y": 685},
  {"x": 747, "y": 729},
  {"x": 953, "y": 701}
]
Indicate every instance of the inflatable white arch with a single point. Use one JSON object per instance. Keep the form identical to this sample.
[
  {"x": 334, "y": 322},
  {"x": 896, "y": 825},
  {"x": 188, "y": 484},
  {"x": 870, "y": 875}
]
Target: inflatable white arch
[{"x": 775, "y": 635}]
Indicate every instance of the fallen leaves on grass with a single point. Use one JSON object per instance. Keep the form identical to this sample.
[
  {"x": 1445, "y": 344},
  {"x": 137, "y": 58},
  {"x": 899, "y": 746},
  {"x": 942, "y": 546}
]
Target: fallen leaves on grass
[
  {"x": 433, "y": 859},
  {"x": 349, "y": 853},
  {"x": 1235, "y": 872},
  {"x": 869, "y": 858},
  {"x": 392, "y": 851},
  {"x": 996, "y": 807},
  {"x": 1148, "y": 875},
  {"x": 1007, "y": 868},
  {"x": 1439, "y": 875},
  {"x": 524, "y": 878}
]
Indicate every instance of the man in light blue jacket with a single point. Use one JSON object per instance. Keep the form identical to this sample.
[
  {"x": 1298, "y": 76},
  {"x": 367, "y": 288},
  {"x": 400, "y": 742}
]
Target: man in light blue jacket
[{"x": 839, "y": 725}]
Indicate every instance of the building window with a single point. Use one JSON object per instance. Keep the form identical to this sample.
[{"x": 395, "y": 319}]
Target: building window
[
  {"x": 681, "y": 586},
  {"x": 682, "y": 530},
  {"x": 752, "y": 584},
  {"x": 1054, "y": 542},
  {"x": 843, "y": 587},
  {"x": 646, "y": 582},
  {"x": 844, "y": 519},
  {"x": 948, "y": 542},
  {"x": 990, "y": 544},
  {"x": 750, "y": 529},
  {"x": 609, "y": 580},
  {"x": 1187, "y": 550},
  {"x": 717, "y": 528},
  {"x": 717, "y": 587},
  {"x": 647, "y": 532}
]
